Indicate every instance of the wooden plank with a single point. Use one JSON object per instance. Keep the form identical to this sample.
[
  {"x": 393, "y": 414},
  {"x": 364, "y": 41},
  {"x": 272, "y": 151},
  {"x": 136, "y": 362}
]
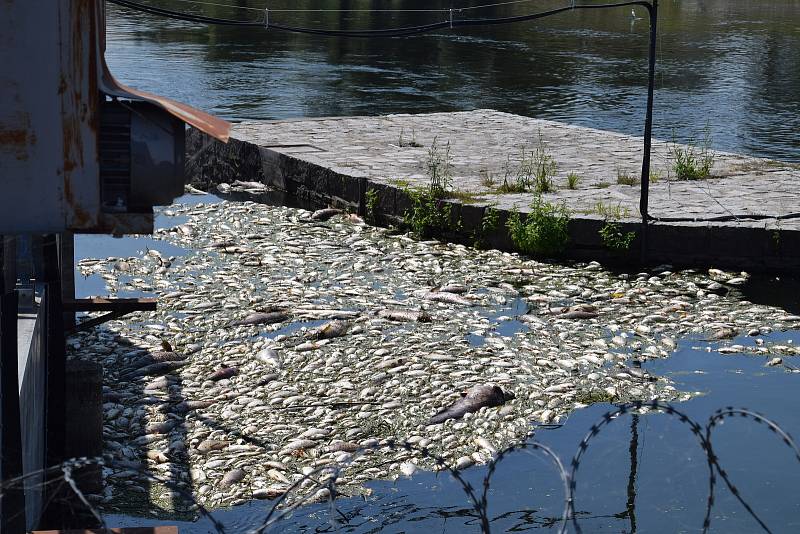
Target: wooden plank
[
  {"x": 111, "y": 305},
  {"x": 135, "y": 530}
]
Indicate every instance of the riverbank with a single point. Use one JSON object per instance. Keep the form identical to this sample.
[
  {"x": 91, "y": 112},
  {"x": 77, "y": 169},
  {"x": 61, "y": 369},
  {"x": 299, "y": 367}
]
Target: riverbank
[{"x": 248, "y": 410}]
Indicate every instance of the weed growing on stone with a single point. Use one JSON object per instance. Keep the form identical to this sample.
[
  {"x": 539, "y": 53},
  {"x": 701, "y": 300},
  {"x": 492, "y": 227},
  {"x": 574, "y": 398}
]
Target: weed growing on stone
[
  {"x": 626, "y": 178},
  {"x": 371, "y": 197},
  {"x": 428, "y": 216},
  {"x": 572, "y": 180},
  {"x": 692, "y": 162},
  {"x": 594, "y": 396},
  {"x": 489, "y": 223},
  {"x": 611, "y": 212},
  {"x": 613, "y": 237},
  {"x": 534, "y": 171},
  {"x": 403, "y": 142},
  {"x": 440, "y": 169},
  {"x": 487, "y": 179},
  {"x": 543, "y": 232}
]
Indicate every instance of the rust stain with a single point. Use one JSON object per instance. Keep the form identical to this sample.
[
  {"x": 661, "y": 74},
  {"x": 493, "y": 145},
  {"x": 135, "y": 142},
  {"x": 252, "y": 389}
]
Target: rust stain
[
  {"x": 17, "y": 137},
  {"x": 81, "y": 217}
]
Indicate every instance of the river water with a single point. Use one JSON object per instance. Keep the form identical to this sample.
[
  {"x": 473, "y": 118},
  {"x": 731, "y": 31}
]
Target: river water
[{"x": 729, "y": 65}]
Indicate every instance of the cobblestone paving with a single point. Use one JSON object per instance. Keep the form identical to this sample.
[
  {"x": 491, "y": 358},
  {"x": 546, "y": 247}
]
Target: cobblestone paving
[{"x": 394, "y": 149}]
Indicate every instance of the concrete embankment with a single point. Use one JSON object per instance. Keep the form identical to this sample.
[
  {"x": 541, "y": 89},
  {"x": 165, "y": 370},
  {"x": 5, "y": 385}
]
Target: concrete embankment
[{"x": 740, "y": 217}]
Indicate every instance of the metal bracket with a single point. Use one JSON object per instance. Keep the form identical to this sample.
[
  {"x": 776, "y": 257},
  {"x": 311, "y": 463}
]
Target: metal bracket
[{"x": 116, "y": 308}]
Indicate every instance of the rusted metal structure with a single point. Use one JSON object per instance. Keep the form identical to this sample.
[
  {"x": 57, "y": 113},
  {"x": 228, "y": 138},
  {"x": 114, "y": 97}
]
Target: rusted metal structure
[{"x": 79, "y": 153}]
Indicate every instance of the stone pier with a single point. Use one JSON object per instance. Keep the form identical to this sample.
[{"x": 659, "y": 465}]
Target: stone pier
[{"x": 740, "y": 217}]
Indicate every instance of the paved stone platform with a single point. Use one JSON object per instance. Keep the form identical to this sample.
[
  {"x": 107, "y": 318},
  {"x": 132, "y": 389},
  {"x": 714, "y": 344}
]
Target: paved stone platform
[{"x": 341, "y": 157}]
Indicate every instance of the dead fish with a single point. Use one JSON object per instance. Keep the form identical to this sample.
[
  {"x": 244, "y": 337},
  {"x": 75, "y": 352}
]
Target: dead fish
[
  {"x": 578, "y": 314},
  {"x": 299, "y": 445},
  {"x": 188, "y": 406},
  {"x": 270, "y": 317},
  {"x": 449, "y": 298},
  {"x": 405, "y": 315},
  {"x": 331, "y": 329},
  {"x": 212, "y": 445},
  {"x": 269, "y": 356},
  {"x": 159, "y": 383},
  {"x": 223, "y": 244},
  {"x": 266, "y": 379},
  {"x": 156, "y": 369},
  {"x": 166, "y": 346},
  {"x": 474, "y": 399},
  {"x": 578, "y": 311},
  {"x": 343, "y": 446},
  {"x": 723, "y": 333},
  {"x": 223, "y": 373},
  {"x": 324, "y": 214},
  {"x": 160, "y": 428},
  {"x": 158, "y": 357},
  {"x": 158, "y": 457},
  {"x": 249, "y": 185},
  {"x": 231, "y": 478},
  {"x": 454, "y": 288}
]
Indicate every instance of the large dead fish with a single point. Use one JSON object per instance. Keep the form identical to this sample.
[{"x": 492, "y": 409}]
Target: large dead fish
[
  {"x": 270, "y": 317},
  {"x": 157, "y": 357},
  {"x": 449, "y": 298},
  {"x": 405, "y": 315},
  {"x": 330, "y": 330},
  {"x": 723, "y": 333},
  {"x": 578, "y": 311},
  {"x": 156, "y": 369},
  {"x": 474, "y": 399},
  {"x": 325, "y": 214}
]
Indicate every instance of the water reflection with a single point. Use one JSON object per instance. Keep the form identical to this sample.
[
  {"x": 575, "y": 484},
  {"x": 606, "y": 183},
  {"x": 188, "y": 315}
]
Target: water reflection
[{"x": 729, "y": 62}]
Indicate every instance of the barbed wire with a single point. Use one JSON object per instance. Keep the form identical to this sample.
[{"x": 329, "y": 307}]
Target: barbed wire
[
  {"x": 357, "y": 10},
  {"x": 325, "y": 477}
]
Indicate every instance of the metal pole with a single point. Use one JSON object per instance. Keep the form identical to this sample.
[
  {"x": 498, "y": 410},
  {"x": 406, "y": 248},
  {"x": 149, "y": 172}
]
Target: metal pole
[
  {"x": 648, "y": 127},
  {"x": 12, "y": 498},
  {"x": 54, "y": 514}
]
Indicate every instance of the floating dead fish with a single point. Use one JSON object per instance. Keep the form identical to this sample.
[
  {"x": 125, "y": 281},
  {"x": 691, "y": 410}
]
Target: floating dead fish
[
  {"x": 331, "y": 330},
  {"x": 156, "y": 369},
  {"x": 475, "y": 398},
  {"x": 453, "y": 288},
  {"x": 266, "y": 379},
  {"x": 578, "y": 311},
  {"x": 342, "y": 446},
  {"x": 269, "y": 356},
  {"x": 223, "y": 373},
  {"x": 223, "y": 244},
  {"x": 212, "y": 445},
  {"x": 160, "y": 428},
  {"x": 271, "y": 317},
  {"x": 188, "y": 406},
  {"x": 449, "y": 298},
  {"x": 324, "y": 214},
  {"x": 405, "y": 315},
  {"x": 231, "y": 478},
  {"x": 723, "y": 333},
  {"x": 248, "y": 185},
  {"x": 158, "y": 357}
]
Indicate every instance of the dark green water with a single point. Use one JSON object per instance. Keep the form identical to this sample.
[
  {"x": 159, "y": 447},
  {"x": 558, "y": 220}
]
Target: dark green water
[{"x": 731, "y": 63}]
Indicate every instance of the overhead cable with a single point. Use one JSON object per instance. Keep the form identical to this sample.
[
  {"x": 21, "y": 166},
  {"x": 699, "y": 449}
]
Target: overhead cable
[{"x": 384, "y": 32}]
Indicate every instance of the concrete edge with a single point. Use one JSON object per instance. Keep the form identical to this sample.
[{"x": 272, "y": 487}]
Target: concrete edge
[{"x": 751, "y": 246}]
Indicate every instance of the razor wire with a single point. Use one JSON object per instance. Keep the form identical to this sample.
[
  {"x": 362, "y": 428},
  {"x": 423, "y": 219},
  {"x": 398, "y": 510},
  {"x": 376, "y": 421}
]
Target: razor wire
[{"x": 324, "y": 477}]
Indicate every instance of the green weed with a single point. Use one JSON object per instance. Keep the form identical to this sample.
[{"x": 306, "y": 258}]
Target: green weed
[
  {"x": 692, "y": 162},
  {"x": 440, "y": 169},
  {"x": 428, "y": 216},
  {"x": 371, "y": 198},
  {"x": 626, "y": 178},
  {"x": 489, "y": 223},
  {"x": 534, "y": 171},
  {"x": 613, "y": 237},
  {"x": 408, "y": 142},
  {"x": 572, "y": 180},
  {"x": 543, "y": 232}
]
